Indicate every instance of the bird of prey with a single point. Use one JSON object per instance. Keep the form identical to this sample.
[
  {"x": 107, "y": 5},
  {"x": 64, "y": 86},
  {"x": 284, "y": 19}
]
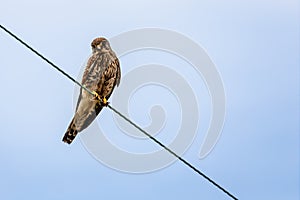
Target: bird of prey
[{"x": 102, "y": 73}]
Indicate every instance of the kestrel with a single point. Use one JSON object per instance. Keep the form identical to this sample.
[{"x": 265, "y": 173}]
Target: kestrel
[{"x": 102, "y": 73}]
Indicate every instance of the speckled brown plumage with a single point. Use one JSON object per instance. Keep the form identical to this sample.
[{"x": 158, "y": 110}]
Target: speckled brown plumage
[{"x": 102, "y": 74}]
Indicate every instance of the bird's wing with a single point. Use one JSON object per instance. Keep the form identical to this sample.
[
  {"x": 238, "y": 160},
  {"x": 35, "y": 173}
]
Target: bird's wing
[
  {"x": 87, "y": 109},
  {"x": 118, "y": 78},
  {"x": 92, "y": 72},
  {"x": 110, "y": 78}
]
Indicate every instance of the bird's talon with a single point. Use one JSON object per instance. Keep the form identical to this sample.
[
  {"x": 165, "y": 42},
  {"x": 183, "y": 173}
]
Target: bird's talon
[
  {"x": 96, "y": 95},
  {"x": 104, "y": 102}
]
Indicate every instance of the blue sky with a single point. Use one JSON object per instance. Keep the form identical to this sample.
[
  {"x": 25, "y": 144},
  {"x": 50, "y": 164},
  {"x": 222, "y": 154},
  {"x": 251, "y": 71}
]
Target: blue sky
[{"x": 255, "y": 46}]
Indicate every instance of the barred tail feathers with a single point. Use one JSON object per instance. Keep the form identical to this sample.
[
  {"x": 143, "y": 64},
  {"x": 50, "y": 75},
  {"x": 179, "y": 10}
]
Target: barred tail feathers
[{"x": 70, "y": 133}]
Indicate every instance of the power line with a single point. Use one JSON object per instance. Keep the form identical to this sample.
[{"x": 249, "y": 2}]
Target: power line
[
  {"x": 172, "y": 152},
  {"x": 121, "y": 115}
]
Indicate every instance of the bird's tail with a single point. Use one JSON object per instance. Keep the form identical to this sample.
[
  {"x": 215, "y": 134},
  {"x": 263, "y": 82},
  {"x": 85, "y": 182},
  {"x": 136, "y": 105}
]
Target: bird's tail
[{"x": 71, "y": 133}]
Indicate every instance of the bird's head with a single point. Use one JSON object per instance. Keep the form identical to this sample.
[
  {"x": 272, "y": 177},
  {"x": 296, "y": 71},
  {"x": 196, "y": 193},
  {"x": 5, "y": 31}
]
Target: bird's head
[{"x": 100, "y": 44}]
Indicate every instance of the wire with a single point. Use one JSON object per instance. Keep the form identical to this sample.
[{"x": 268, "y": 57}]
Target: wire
[
  {"x": 172, "y": 152},
  {"x": 121, "y": 115}
]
